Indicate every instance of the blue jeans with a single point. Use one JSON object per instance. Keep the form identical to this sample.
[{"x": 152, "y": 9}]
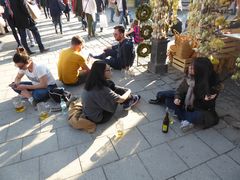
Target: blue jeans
[
  {"x": 122, "y": 19},
  {"x": 167, "y": 97},
  {"x": 112, "y": 11},
  {"x": 112, "y": 61},
  {"x": 37, "y": 94}
]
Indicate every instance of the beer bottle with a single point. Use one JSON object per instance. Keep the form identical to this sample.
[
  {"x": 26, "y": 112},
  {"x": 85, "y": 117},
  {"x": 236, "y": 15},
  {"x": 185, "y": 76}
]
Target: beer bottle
[{"x": 165, "y": 124}]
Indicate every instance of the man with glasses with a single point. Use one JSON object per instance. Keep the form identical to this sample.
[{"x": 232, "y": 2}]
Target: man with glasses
[{"x": 121, "y": 55}]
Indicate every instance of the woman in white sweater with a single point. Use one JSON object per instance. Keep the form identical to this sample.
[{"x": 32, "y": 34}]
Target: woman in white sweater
[{"x": 90, "y": 9}]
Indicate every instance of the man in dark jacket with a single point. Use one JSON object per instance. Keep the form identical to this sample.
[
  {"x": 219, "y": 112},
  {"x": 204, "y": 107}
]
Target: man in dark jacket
[
  {"x": 23, "y": 21},
  {"x": 121, "y": 55}
]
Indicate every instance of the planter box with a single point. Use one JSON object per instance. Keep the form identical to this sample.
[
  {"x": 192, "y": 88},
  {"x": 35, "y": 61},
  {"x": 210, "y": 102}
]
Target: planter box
[{"x": 181, "y": 64}]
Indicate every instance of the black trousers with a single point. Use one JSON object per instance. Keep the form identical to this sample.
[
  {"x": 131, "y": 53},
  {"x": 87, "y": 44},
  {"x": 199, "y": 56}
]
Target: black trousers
[{"x": 35, "y": 32}]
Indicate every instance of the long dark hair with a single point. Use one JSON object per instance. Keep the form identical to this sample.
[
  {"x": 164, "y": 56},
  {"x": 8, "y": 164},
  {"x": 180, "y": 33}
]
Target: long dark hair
[
  {"x": 204, "y": 75},
  {"x": 96, "y": 77}
]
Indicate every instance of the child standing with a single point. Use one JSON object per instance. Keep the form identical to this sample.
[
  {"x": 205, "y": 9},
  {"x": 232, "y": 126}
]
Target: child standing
[{"x": 134, "y": 32}]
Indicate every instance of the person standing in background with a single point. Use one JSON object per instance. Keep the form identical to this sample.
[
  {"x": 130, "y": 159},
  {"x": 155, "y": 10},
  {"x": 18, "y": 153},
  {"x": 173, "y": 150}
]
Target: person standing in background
[
  {"x": 45, "y": 5},
  {"x": 56, "y": 12},
  {"x": 9, "y": 17},
  {"x": 67, "y": 9},
  {"x": 24, "y": 21},
  {"x": 100, "y": 10},
  {"x": 112, "y": 6},
  {"x": 122, "y": 7},
  {"x": 90, "y": 9}
]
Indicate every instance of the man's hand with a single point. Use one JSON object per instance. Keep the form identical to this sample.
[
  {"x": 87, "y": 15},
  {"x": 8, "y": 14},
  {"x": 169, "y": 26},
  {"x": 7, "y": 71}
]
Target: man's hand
[
  {"x": 22, "y": 87},
  {"x": 177, "y": 101}
]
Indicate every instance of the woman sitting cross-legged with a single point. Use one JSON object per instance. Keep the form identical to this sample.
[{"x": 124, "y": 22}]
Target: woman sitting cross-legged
[
  {"x": 101, "y": 97},
  {"x": 41, "y": 78},
  {"x": 194, "y": 100}
]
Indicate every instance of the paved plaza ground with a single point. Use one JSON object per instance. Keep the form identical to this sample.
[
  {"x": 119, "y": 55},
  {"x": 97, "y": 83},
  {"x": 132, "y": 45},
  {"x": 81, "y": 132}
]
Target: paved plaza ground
[{"x": 30, "y": 149}]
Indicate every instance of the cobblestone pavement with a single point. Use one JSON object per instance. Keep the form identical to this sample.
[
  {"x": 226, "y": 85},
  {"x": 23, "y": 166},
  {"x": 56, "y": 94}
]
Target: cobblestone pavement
[{"x": 30, "y": 149}]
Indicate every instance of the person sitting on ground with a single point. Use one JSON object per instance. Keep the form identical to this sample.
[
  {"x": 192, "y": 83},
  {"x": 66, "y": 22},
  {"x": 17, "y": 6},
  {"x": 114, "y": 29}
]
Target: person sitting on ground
[
  {"x": 194, "y": 100},
  {"x": 134, "y": 32},
  {"x": 121, "y": 55},
  {"x": 100, "y": 96},
  {"x": 41, "y": 78},
  {"x": 72, "y": 69}
]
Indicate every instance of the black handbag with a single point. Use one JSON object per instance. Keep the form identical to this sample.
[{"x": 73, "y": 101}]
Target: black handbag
[{"x": 59, "y": 93}]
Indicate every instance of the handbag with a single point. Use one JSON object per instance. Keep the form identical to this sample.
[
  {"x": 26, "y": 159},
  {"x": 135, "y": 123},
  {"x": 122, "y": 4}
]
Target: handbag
[
  {"x": 103, "y": 21},
  {"x": 58, "y": 93},
  {"x": 117, "y": 12},
  {"x": 34, "y": 10}
]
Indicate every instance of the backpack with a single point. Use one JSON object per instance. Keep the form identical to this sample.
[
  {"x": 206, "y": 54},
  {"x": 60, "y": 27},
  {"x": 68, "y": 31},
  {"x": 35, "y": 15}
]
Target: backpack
[{"x": 57, "y": 93}]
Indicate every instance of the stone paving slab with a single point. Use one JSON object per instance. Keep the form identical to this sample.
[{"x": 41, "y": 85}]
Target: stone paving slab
[
  {"x": 94, "y": 174},
  {"x": 129, "y": 168},
  {"x": 202, "y": 172},
  {"x": 153, "y": 133},
  {"x": 225, "y": 167},
  {"x": 39, "y": 144},
  {"x": 131, "y": 143},
  {"x": 162, "y": 162},
  {"x": 215, "y": 140},
  {"x": 192, "y": 150},
  {"x": 235, "y": 155},
  {"x": 96, "y": 153},
  {"x": 10, "y": 152},
  {"x": 26, "y": 170},
  {"x": 60, "y": 165},
  {"x": 68, "y": 137}
]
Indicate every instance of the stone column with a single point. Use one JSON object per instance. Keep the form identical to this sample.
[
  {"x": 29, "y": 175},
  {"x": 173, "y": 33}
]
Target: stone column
[{"x": 158, "y": 56}]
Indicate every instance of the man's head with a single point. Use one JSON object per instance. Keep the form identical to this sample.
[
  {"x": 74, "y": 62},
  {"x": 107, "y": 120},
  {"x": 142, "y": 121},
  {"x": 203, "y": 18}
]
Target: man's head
[
  {"x": 119, "y": 33},
  {"x": 77, "y": 43}
]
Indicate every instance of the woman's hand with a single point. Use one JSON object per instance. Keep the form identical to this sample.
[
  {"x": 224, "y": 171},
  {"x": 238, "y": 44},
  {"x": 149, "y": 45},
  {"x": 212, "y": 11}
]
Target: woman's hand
[
  {"x": 209, "y": 97},
  {"x": 177, "y": 101}
]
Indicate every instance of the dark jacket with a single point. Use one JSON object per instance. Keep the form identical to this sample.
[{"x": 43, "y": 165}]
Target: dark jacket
[
  {"x": 21, "y": 16},
  {"x": 199, "y": 102},
  {"x": 126, "y": 53},
  {"x": 55, "y": 8}
]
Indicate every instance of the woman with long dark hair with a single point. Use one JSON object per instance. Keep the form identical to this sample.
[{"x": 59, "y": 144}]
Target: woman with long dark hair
[
  {"x": 194, "y": 100},
  {"x": 101, "y": 97}
]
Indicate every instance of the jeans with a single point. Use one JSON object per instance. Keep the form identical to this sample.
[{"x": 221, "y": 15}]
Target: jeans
[
  {"x": 122, "y": 19},
  {"x": 167, "y": 97},
  {"x": 112, "y": 61},
  {"x": 112, "y": 12},
  {"x": 23, "y": 35},
  {"x": 37, "y": 94}
]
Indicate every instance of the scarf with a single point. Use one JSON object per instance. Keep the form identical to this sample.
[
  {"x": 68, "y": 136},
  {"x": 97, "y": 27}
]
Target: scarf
[{"x": 189, "y": 99}]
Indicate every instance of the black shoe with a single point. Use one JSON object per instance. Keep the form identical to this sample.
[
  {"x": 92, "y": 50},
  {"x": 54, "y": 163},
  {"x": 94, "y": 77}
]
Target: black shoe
[
  {"x": 44, "y": 50},
  {"x": 154, "y": 101},
  {"x": 31, "y": 52}
]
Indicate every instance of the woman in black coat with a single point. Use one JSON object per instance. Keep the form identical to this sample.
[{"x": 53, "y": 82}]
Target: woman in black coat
[{"x": 195, "y": 98}]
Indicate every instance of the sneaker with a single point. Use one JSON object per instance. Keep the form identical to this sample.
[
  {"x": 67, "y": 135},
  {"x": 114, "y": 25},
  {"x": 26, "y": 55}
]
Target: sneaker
[
  {"x": 185, "y": 126},
  {"x": 135, "y": 98}
]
